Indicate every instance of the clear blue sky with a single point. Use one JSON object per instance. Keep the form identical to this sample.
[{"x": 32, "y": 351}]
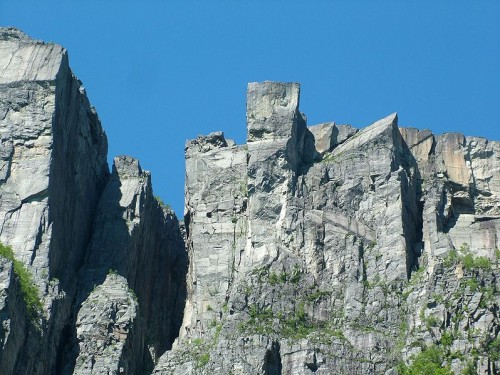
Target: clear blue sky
[{"x": 162, "y": 72}]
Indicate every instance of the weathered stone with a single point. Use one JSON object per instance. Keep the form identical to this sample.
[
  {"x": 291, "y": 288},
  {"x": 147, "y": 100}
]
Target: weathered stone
[
  {"x": 324, "y": 136},
  {"x": 57, "y": 216},
  {"x": 333, "y": 227},
  {"x": 104, "y": 325},
  {"x": 216, "y": 203},
  {"x": 321, "y": 250},
  {"x": 53, "y": 169},
  {"x": 142, "y": 243}
]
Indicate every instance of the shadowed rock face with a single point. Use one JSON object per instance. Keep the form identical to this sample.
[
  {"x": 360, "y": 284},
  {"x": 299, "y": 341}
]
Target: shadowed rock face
[
  {"x": 69, "y": 222},
  {"x": 140, "y": 241},
  {"x": 322, "y": 249}
]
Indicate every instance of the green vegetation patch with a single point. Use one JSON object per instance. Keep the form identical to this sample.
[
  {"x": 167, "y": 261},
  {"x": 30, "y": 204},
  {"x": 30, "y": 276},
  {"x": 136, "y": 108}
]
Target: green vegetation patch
[
  {"x": 428, "y": 362},
  {"x": 29, "y": 290},
  {"x": 162, "y": 204},
  {"x": 199, "y": 350},
  {"x": 293, "y": 325},
  {"x": 467, "y": 259},
  {"x": 272, "y": 277},
  {"x": 493, "y": 349}
]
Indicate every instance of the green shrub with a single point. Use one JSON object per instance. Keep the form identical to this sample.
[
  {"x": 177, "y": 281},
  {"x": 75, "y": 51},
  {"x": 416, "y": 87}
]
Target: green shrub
[
  {"x": 273, "y": 278},
  {"x": 482, "y": 263},
  {"x": 494, "y": 349},
  {"x": 317, "y": 295},
  {"x": 283, "y": 277},
  {"x": 451, "y": 258},
  {"x": 464, "y": 248},
  {"x": 432, "y": 321},
  {"x": 202, "y": 360},
  {"x": 472, "y": 284},
  {"x": 28, "y": 288},
  {"x": 428, "y": 362},
  {"x": 468, "y": 261},
  {"x": 470, "y": 369},
  {"x": 447, "y": 339}
]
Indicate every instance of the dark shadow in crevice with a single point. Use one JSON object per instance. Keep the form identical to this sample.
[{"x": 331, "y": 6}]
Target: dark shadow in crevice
[
  {"x": 272, "y": 360},
  {"x": 412, "y": 198}
]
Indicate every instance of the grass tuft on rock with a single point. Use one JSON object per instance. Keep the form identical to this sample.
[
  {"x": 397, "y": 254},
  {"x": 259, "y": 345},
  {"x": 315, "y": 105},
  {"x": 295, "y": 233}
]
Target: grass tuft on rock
[{"x": 29, "y": 290}]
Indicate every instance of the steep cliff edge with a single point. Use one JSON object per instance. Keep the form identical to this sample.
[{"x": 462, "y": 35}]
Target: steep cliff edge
[
  {"x": 330, "y": 250},
  {"x": 322, "y": 249},
  {"x": 65, "y": 221}
]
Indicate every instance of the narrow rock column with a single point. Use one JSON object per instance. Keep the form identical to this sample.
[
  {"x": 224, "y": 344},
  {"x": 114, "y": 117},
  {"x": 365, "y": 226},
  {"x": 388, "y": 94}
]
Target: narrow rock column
[
  {"x": 215, "y": 218},
  {"x": 275, "y": 145},
  {"x": 133, "y": 278}
]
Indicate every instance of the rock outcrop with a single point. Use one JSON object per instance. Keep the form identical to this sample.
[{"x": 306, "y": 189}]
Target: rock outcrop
[
  {"x": 140, "y": 240},
  {"x": 322, "y": 249},
  {"x": 53, "y": 170},
  {"x": 68, "y": 221},
  {"x": 330, "y": 250}
]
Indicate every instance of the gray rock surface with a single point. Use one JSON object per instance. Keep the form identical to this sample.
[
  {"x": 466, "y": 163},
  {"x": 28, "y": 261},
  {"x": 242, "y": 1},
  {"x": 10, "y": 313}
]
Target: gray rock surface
[
  {"x": 47, "y": 130},
  {"x": 328, "y": 135},
  {"x": 138, "y": 239},
  {"x": 12, "y": 312},
  {"x": 104, "y": 324},
  {"x": 321, "y": 249},
  {"x": 69, "y": 222},
  {"x": 349, "y": 252}
]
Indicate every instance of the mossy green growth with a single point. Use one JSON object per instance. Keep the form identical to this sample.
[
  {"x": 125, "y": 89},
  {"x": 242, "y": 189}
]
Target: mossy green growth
[
  {"x": 202, "y": 360},
  {"x": 451, "y": 258},
  {"x": 428, "y": 362},
  {"x": 199, "y": 351},
  {"x": 28, "y": 288},
  {"x": 483, "y": 263},
  {"x": 470, "y": 369}
]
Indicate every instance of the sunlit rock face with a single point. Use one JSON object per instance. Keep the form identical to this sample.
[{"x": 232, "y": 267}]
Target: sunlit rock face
[
  {"x": 320, "y": 249},
  {"x": 53, "y": 169},
  {"x": 62, "y": 214},
  {"x": 332, "y": 250}
]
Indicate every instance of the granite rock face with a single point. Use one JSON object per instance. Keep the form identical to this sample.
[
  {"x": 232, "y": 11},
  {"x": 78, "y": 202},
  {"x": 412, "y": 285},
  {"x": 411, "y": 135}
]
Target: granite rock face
[
  {"x": 68, "y": 221},
  {"x": 322, "y": 249},
  {"x": 332, "y": 250},
  {"x": 48, "y": 195}
]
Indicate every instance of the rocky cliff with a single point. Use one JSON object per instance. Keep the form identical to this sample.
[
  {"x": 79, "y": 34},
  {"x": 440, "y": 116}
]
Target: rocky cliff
[
  {"x": 332, "y": 250},
  {"x": 93, "y": 268},
  {"x": 310, "y": 249}
]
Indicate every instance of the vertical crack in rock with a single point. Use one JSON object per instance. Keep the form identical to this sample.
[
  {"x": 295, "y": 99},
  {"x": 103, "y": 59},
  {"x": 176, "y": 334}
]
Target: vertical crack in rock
[{"x": 272, "y": 360}]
